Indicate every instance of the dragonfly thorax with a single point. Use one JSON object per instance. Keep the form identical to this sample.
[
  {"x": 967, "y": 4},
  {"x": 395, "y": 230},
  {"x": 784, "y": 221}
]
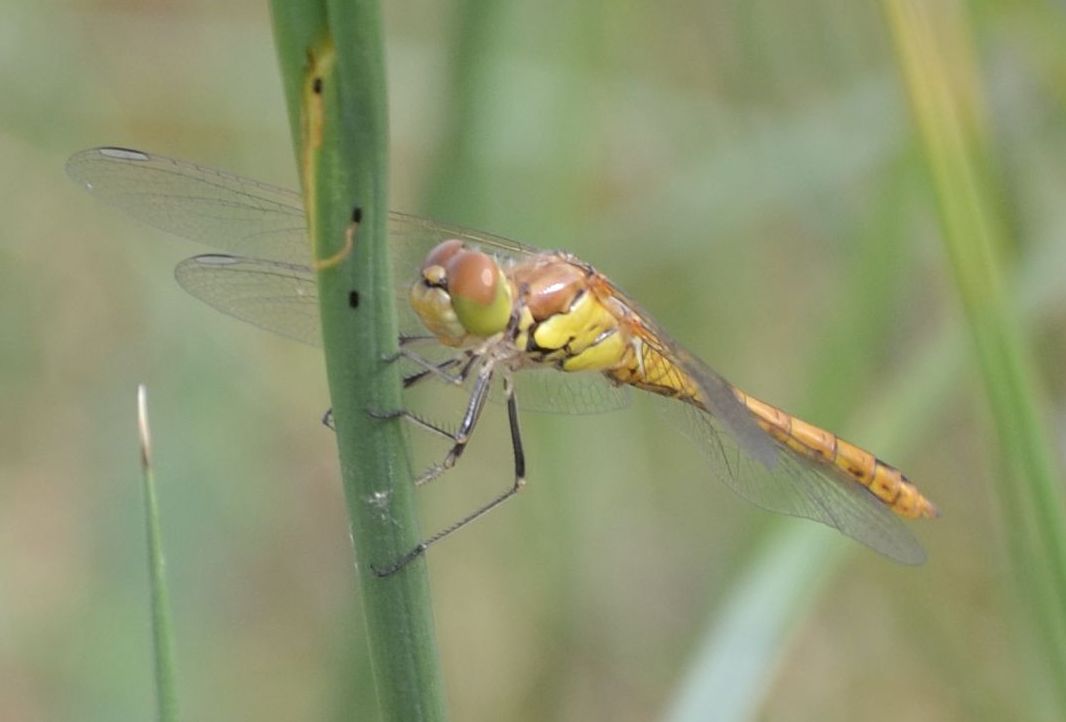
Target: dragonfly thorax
[{"x": 461, "y": 295}]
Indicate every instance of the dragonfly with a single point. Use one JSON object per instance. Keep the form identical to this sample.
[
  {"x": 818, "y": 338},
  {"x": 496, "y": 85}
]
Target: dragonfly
[{"x": 508, "y": 321}]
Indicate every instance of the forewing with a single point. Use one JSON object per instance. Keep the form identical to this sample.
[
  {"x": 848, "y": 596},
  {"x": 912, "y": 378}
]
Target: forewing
[
  {"x": 268, "y": 282},
  {"x": 253, "y": 219},
  {"x": 209, "y": 206},
  {"x": 422, "y": 234},
  {"x": 240, "y": 215},
  {"x": 283, "y": 298}
]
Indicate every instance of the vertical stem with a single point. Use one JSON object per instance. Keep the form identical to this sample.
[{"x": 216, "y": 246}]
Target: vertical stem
[
  {"x": 933, "y": 47},
  {"x": 162, "y": 629},
  {"x": 333, "y": 70},
  {"x": 458, "y": 182}
]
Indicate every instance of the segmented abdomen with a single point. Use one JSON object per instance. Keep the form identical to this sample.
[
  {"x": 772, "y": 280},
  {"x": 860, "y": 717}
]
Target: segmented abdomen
[
  {"x": 884, "y": 481},
  {"x": 648, "y": 369}
]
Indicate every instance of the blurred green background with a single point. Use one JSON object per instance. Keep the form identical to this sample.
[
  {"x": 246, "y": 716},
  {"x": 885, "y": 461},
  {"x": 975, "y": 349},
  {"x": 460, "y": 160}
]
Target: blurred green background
[{"x": 748, "y": 170}]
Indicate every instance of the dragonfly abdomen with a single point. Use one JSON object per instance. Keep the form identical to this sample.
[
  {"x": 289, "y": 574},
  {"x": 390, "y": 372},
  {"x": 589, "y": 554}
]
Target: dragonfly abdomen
[
  {"x": 644, "y": 367},
  {"x": 884, "y": 481},
  {"x": 589, "y": 336}
]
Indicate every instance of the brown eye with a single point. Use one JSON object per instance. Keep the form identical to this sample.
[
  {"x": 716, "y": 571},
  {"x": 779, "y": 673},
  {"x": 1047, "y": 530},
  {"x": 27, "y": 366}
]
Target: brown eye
[
  {"x": 442, "y": 253},
  {"x": 473, "y": 276}
]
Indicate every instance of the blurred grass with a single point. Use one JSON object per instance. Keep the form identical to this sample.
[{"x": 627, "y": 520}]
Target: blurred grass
[
  {"x": 166, "y": 692},
  {"x": 734, "y": 667},
  {"x": 750, "y": 636},
  {"x": 727, "y": 164},
  {"x": 933, "y": 44}
]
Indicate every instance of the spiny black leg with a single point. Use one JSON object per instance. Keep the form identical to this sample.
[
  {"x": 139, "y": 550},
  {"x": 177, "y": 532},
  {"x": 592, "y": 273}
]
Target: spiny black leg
[
  {"x": 468, "y": 365},
  {"x": 400, "y": 563},
  {"x": 419, "y": 376},
  {"x": 406, "y": 342},
  {"x": 414, "y": 419},
  {"x": 431, "y": 367},
  {"x": 516, "y": 434},
  {"x": 466, "y": 426},
  {"x": 519, "y": 482},
  {"x": 414, "y": 340}
]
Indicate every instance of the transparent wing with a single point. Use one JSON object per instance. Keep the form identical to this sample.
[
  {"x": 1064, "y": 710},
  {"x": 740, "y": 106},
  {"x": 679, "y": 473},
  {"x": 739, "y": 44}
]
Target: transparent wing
[
  {"x": 681, "y": 367},
  {"x": 270, "y": 285},
  {"x": 751, "y": 462},
  {"x": 798, "y": 486},
  {"x": 249, "y": 218},
  {"x": 283, "y": 298},
  {"x": 240, "y": 215},
  {"x": 209, "y": 206},
  {"x": 276, "y": 296},
  {"x": 555, "y": 392}
]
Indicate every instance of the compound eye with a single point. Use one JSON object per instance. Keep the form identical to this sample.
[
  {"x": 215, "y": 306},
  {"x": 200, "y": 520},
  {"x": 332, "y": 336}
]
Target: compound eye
[
  {"x": 480, "y": 294},
  {"x": 442, "y": 253},
  {"x": 474, "y": 276}
]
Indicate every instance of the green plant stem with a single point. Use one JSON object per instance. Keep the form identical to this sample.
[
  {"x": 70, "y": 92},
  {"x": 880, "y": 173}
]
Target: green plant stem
[
  {"x": 332, "y": 64},
  {"x": 933, "y": 47},
  {"x": 162, "y": 629}
]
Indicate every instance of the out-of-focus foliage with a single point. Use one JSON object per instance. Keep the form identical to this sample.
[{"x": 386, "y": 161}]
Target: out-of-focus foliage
[
  {"x": 949, "y": 111},
  {"x": 747, "y": 170}
]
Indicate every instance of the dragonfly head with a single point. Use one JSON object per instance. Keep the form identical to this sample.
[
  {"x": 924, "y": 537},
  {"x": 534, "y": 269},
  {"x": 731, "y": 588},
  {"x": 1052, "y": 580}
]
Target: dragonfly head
[{"x": 461, "y": 293}]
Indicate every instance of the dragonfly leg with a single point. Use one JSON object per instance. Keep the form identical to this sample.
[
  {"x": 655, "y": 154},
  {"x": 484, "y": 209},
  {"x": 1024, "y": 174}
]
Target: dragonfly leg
[
  {"x": 414, "y": 419},
  {"x": 466, "y": 427},
  {"x": 414, "y": 339},
  {"x": 519, "y": 482},
  {"x": 440, "y": 370},
  {"x": 406, "y": 342},
  {"x": 516, "y": 433}
]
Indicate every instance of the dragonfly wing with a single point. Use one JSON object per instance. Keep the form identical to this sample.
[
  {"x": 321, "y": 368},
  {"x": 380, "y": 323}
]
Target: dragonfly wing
[
  {"x": 283, "y": 298},
  {"x": 750, "y": 461},
  {"x": 276, "y": 296},
  {"x": 252, "y": 219},
  {"x": 675, "y": 368},
  {"x": 798, "y": 486},
  {"x": 209, "y": 206},
  {"x": 541, "y": 390},
  {"x": 724, "y": 405},
  {"x": 424, "y": 233},
  {"x": 240, "y": 215},
  {"x": 555, "y": 392}
]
